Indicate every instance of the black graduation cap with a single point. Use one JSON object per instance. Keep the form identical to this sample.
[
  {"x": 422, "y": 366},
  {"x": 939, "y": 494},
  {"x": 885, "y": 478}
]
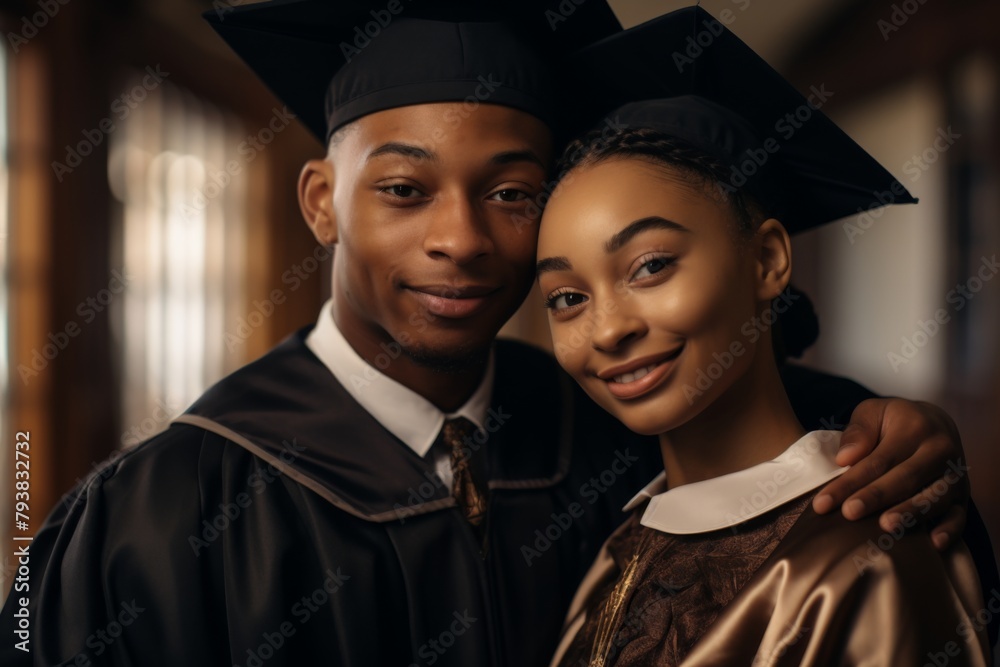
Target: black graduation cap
[
  {"x": 332, "y": 61},
  {"x": 725, "y": 99}
]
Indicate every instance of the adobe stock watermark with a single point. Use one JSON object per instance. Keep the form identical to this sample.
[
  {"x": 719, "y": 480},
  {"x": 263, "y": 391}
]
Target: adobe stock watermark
[
  {"x": 877, "y": 549},
  {"x": 59, "y": 340},
  {"x": 695, "y": 45},
  {"x": 495, "y": 419},
  {"x": 230, "y": 512},
  {"x": 769, "y": 489},
  {"x": 633, "y": 622},
  {"x": 261, "y": 311},
  {"x": 419, "y": 321},
  {"x": 217, "y": 180},
  {"x": 302, "y": 611},
  {"x": 751, "y": 330},
  {"x": 919, "y": 164},
  {"x": 363, "y": 33},
  {"x": 532, "y": 213},
  {"x": 967, "y": 631},
  {"x": 590, "y": 491},
  {"x": 898, "y": 17},
  {"x": 121, "y": 108},
  {"x": 102, "y": 639},
  {"x": 785, "y": 127},
  {"x": 793, "y": 635},
  {"x": 382, "y": 18},
  {"x": 582, "y": 329},
  {"x": 162, "y": 415},
  {"x": 565, "y": 9},
  {"x": 915, "y": 167},
  {"x": 927, "y": 329},
  {"x": 33, "y": 24},
  {"x": 101, "y": 471},
  {"x": 435, "y": 647}
]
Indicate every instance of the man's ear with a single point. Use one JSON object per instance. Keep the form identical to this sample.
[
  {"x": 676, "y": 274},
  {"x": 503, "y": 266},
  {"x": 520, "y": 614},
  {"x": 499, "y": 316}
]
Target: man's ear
[
  {"x": 316, "y": 200},
  {"x": 774, "y": 259}
]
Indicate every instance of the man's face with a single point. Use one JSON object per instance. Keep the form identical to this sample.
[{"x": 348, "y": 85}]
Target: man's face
[{"x": 436, "y": 227}]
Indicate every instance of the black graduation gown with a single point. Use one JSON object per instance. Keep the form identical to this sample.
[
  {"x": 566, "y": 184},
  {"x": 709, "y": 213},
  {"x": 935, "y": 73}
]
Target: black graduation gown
[{"x": 277, "y": 523}]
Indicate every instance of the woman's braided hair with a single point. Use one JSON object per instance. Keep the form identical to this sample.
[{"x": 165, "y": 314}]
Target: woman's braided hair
[
  {"x": 662, "y": 149},
  {"x": 797, "y": 328}
]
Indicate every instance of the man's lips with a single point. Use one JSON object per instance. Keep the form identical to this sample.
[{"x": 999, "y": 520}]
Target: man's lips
[
  {"x": 452, "y": 301},
  {"x": 639, "y": 376}
]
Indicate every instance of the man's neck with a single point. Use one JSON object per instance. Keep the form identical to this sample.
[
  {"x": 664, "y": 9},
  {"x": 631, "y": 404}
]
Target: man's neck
[{"x": 446, "y": 388}]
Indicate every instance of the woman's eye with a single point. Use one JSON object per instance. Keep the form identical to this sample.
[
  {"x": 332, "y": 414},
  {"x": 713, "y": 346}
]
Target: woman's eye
[
  {"x": 652, "y": 266},
  {"x": 509, "y": 195},
  {"x": 565, "y": 300}
]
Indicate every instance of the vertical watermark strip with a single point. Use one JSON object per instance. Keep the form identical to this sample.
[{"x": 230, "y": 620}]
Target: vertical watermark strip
[{"x": 22, "y": 580}]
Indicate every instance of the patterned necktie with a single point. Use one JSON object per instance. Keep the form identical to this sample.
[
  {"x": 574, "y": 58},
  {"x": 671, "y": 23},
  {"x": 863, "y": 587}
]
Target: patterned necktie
[{"x": 455, "y": 433}]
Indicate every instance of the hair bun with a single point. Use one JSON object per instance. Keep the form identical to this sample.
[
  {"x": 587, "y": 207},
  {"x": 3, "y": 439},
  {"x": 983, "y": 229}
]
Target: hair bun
[{"x": 797, "y": 328}]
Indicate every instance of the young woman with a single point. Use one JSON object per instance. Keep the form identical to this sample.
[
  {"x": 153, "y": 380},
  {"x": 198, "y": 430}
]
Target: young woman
[{"x": 662, "y": 282}]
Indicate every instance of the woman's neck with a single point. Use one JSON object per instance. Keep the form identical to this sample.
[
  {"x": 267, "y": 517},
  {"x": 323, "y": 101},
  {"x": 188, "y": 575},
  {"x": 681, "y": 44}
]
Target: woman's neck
[{"x": 750, "y": 423}]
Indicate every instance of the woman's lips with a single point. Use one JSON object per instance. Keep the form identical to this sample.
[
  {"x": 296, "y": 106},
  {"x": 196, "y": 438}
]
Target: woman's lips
[{"x": 632, "y": 380}]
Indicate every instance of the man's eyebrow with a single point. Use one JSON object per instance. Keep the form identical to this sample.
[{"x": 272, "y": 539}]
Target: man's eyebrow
[
  {"x": 406, "y": 150},
  {"x": 553, "y": 264},
  {"x": 510, "y": 157},
  {"x": 640, "y": 226}
]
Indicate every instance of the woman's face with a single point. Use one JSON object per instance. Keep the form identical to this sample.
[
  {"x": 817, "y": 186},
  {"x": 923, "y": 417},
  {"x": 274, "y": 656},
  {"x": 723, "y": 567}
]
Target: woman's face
[{"x": 651, "y": 295}]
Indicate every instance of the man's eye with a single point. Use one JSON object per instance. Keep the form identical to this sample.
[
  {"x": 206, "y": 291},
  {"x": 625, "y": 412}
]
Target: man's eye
[
  {"x": 402, "y": 191},
  {"x": 509, "y": 195}
]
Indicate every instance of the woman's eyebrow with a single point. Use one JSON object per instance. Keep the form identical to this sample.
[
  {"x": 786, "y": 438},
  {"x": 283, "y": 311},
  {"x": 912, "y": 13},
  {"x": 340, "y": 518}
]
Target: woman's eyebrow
[
  {"x": 553, "y": 264},
  {"x": 643, "y": 224}
]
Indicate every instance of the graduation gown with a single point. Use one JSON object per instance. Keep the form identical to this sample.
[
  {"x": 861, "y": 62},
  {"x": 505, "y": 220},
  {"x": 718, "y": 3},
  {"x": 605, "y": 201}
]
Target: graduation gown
[
  {"x": 834, "y": 592},
  {"x": 738, "y": 570},
  {"x": 276, "y": 522}
]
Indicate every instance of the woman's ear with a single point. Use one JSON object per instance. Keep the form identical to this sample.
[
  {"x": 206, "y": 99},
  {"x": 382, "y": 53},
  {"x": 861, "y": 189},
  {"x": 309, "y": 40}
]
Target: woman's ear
[
  {"x": 774, "y": 259},
  {"x": 316, "y": 200}
]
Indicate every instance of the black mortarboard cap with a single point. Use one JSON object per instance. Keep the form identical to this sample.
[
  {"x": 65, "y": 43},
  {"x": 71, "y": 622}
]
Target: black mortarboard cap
[
  {"x": 725, "y": 99},
  {"x": 333, "y": 61}
]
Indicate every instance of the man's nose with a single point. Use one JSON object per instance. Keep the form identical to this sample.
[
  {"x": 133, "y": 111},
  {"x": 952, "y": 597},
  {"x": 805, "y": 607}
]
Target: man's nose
[{"x": 458, "y": 231}]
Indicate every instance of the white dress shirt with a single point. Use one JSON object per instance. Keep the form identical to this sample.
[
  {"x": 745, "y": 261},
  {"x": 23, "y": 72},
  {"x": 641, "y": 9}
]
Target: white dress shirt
[
  {"x": 402, "y": 411},
  {"x": 729, "y": 500}
]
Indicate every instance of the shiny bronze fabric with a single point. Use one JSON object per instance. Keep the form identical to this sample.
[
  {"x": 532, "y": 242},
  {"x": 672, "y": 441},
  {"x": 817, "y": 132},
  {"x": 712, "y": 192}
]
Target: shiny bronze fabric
[
  {"x": 684, "y": 582},
  {"x": 832, "y": 592}
]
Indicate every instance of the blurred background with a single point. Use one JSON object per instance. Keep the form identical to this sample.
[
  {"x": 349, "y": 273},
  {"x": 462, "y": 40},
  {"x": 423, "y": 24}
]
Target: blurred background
[{"x": 150, "y": 238}]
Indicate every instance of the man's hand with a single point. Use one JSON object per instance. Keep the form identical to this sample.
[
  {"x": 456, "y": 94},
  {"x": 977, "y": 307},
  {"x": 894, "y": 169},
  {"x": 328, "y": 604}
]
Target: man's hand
[{"x": 906, "y": 456}]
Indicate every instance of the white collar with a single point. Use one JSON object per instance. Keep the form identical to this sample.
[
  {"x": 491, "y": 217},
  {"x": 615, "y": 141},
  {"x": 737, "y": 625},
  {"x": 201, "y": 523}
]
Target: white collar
[
  {"x": 402, "y": 411},
  {"x": 729, "y": 500}
]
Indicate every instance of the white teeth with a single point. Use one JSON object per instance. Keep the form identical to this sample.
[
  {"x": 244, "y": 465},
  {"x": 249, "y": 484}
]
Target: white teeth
[{"x": 625, "y": 378}]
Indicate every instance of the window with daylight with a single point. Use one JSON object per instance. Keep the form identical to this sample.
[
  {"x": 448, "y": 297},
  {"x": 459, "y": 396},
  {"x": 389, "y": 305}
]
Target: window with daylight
[
  {"x": 182, "y": 244},
  {"x": 7, "y": 462}
]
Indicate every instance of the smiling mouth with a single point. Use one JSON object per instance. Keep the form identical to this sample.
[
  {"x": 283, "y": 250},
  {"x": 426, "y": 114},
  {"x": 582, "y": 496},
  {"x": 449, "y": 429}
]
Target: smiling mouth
[{"x": 631, "y": 380}]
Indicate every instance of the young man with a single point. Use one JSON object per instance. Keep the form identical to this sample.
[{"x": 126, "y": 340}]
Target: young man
[{"x": 391, "y": 487}]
